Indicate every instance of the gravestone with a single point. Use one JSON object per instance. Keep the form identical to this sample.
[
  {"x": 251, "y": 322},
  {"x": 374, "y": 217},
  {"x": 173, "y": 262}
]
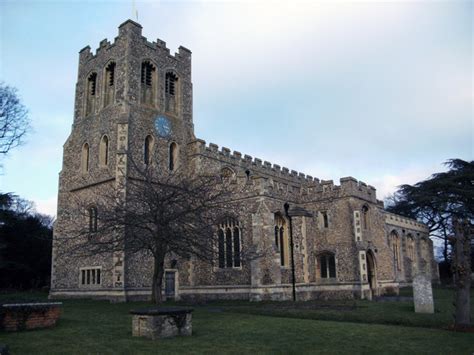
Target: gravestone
[{"x": 423, "y": 294}]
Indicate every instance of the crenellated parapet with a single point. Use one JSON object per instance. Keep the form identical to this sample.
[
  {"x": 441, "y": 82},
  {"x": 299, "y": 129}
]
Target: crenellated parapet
[
  {"x": 127, "y": 30},
  {"x": 281, "y": 178},
  {"x": 395, "y": 220}
]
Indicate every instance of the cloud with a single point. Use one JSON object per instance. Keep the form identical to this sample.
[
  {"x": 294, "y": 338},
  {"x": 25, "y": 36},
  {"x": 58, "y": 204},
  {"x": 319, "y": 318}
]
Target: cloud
[{"x": 47, "y": 206}]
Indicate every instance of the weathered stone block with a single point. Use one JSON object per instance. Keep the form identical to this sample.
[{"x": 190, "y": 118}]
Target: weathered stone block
[
  {"x": 156, "y": 323},
  {"x": 423, "y": 294}
]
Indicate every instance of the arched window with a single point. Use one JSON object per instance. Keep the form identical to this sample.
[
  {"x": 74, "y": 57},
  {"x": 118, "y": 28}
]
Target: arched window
[
  {"x": 327, "y": 265},
  {"x": 365, "y": 217},
  {"x": 148, "y": 83},
  {"x": 227, "y": 174},
  {"x": 171, "y": 91},
  {"x": 395, "y": 245},
  {"x": 92, "y": 212},
  {"x": 148, "y": 150},
  {"x": 411, "y": 247},
  {"x": 109, "y": 84},
  {"x": 85, "y": 158},
  {"x": 229, "y": 238},
  {"x": 323, "y": 219},
  {"x": 91, "y": 93},
  {"x": 173, "y": 156},
  {"x": 281, "y": 239},
  {"x": 104, "y": 151}
]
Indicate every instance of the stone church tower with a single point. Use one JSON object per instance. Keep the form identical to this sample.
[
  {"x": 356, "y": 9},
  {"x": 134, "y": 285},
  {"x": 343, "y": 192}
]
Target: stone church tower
[
  {"x": 133, "y": 107},
  {"x": 133, "y": 104}
]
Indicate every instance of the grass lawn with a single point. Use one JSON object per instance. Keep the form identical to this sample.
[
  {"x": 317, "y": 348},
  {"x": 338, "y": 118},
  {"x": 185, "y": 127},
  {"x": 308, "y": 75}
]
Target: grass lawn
[{"x": 99, "y": 327}]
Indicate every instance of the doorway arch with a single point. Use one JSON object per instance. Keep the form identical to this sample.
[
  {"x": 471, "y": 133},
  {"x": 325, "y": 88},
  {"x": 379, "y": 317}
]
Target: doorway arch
[{"x": 372, "y": 272}]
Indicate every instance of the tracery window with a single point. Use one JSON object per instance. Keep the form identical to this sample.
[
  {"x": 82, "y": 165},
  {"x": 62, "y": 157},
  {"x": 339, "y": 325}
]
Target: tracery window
[
  {"x": 327, "y": 265},
  {"x": 148, "y": 83},
  {"x": 281, "y": 239},
  {"x": 85, "y": 158},
  {"x": 104, "y": 151},
  {"x": 109, "y": 84},
  {"x": 229, "y": 238},
  {"x": 91, "y": 91},
  {"x": 171, "y": 81}
]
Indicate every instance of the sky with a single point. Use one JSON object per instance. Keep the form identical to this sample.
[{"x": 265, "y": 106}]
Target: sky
[{"x": 378, "y": 90}]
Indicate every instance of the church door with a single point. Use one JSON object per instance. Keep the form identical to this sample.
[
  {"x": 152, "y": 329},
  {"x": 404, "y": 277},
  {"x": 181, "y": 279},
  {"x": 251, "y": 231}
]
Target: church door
[{"x": 372, "y": 272}]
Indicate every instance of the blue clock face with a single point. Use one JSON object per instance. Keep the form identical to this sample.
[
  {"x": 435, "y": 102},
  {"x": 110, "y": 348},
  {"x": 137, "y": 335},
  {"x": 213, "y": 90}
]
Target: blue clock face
[{"x": 163, "y": 126}]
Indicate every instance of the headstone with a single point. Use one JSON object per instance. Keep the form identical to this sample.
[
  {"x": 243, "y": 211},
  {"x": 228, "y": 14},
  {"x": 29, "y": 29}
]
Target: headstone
[{"x": 423, "y": 294}]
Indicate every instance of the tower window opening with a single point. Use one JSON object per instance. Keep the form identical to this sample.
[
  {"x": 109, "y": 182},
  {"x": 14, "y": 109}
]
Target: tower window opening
[
  {"x": 91, "y": 93},
  {"x": 104, "y": 151},
  {"x": 173, "y": 158},
  {"x": 148, "y": 83},
  {"x": 109, "y": 87},
  {"x": 85, "y": 158},
  {"x": 147, "y": 150},
  {"x": 170, "y": 92}
]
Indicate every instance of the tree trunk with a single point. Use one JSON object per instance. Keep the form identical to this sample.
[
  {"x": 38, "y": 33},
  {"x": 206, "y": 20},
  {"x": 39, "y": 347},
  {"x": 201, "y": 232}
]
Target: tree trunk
[
  {"x": 462, "y": 274},
  {"x": 445, "y": 250},
  {"x": 158, "y": 272}
]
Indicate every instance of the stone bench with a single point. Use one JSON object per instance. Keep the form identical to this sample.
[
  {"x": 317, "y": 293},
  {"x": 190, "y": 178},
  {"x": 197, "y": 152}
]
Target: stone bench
[
  {"x": 162, "y": 322},
  {"x": 25, "y": 316}
]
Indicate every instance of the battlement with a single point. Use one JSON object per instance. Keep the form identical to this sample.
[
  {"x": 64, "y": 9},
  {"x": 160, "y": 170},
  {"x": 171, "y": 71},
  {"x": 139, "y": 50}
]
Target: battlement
[
  {"x": 405, "y": 222},
  {"x": 133, "y": 29},
  {"x": 348, "y": 185}
]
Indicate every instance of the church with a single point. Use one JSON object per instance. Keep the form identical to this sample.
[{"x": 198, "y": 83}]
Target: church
[{"x": 133, "y": 100}]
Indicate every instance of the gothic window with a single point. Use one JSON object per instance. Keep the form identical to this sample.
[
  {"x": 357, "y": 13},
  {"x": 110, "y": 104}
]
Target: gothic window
[
  {"x": 229, "y": 237},
  {"x": 171, "y": 81},
  {"x": 104, "y": 151},
  {"x": 173, "y": 158},
  {"x": 327, "y": 265},
  {"x": 411, "y": 247},
  {"x": 92, "y": 214},
  {"x": 365, "y": 217},
  {"x": 85, "y": 158},
  {"x": 148, "y": 83},
  {"x": 281, "y": 239},
  {"x": 91, "y": 93},
  {"x": 395, "y": 245},
  {"x": 90, "y": 276},
  {"x": 147, "y": 150},
  {"x": 109, "y": 84}
]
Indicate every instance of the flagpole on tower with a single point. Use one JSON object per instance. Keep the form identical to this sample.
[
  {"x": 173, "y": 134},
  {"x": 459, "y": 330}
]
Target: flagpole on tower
[{"x": 134, "y": 10}]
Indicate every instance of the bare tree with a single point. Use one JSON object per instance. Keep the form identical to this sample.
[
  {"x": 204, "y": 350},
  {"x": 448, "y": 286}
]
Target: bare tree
[
  {"x": 14, "y": 122},
  {"x": 167, "y": 214}
]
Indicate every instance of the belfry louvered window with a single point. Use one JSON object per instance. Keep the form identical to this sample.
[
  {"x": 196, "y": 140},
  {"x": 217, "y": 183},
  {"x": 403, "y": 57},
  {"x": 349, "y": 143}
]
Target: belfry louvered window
[
  {"x": 109, "y": 87},
  {"x": 91, "y": 93},
  {"x": 148, "y": 83},
  {"x": 171, "y": 81}
]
